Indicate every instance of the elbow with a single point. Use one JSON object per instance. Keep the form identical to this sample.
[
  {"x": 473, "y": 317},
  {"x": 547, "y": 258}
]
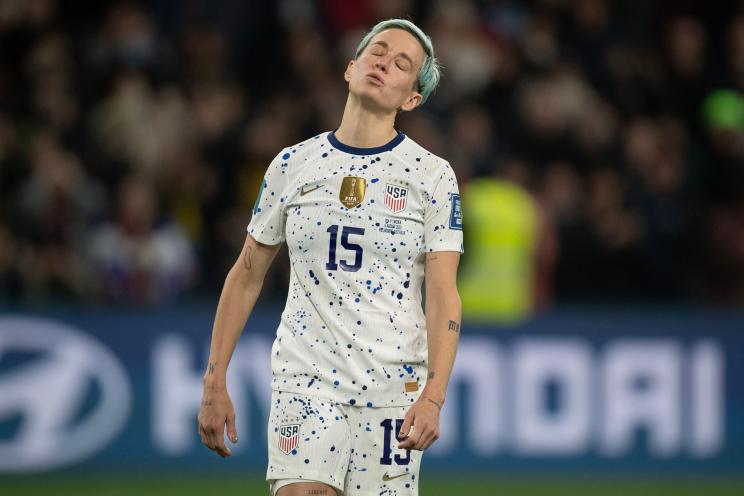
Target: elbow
[{"x": 447, "y": 300}]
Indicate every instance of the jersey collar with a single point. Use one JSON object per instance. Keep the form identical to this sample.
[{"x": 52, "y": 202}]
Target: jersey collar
[{"x": 353, "y": 150}]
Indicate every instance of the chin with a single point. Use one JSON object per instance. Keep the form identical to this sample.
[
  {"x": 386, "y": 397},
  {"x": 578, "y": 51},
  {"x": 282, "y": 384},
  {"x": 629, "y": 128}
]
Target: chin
[{"x": 373, "y": 100}]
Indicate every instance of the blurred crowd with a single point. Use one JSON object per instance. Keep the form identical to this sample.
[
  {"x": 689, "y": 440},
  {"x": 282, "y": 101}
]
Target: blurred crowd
[{"x": 134, "y": 135}]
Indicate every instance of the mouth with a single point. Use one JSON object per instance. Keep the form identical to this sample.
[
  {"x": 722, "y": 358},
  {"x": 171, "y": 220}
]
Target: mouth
[{"x": 375, "y": 79}]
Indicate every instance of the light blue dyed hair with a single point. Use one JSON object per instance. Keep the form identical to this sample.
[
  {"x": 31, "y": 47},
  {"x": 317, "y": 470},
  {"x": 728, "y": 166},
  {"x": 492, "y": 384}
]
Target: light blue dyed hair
[{"x": 429, "y": 74}]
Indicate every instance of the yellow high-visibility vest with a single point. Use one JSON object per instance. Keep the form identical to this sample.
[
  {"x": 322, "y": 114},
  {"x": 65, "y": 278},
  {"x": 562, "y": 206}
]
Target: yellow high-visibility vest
[{"x": 500, "y": 224}]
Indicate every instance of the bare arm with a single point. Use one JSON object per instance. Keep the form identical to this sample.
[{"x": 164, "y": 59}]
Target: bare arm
[
  {"x": 443, "y": 311},
  {"x": 443, "y": 314},
  {"x": 242, "y": 287}
]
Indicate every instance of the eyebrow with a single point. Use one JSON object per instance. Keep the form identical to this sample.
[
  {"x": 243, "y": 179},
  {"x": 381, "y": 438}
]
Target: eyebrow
[{"x": 402, "y": 54}]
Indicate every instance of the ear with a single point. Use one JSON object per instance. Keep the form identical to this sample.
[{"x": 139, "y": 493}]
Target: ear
[
  {"x": 412, "y": 102},
  {"x": 347, "y": 73}
]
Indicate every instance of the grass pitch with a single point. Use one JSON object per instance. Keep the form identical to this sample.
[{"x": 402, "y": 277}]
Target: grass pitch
[{"x": 191, "y": 485}]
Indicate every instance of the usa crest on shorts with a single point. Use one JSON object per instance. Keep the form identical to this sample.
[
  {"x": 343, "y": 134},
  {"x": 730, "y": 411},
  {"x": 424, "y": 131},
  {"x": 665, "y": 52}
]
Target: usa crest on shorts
[
  {"x": 396, "y": 197},
  {"x": 289, "y": 436}
]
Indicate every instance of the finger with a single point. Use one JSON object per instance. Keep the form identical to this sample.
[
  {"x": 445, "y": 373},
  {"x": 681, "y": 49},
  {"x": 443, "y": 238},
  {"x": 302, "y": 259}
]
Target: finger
[
  {"x": 222, "y": 450},
  {"x": 232, "y": 431},
  {"x": 410, "y": 441},
  {"x": 407, "y": 444},
  {"x": 406, "y": 426},
  {"x": 423, "y": 431},
  {"x": 207, "y": 438},
  {"x": 216, "y": 441},
  {"x": 202, "y": 434},
  {"x": 219, "y": 447}
]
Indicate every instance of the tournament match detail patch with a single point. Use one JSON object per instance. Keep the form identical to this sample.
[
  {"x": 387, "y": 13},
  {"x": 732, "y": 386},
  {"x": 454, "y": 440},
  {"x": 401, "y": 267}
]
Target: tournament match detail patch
[
  {"x": 289, "y": 437},
  {"x": 455, "y": 212},
  {"x": 396, "y": 197},
  {"x": 392, "y": 226}
]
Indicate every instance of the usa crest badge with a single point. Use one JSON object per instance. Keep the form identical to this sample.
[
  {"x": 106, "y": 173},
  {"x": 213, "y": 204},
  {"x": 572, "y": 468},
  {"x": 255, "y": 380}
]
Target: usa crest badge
[
  {"x": 289, "y": 437},
  {"x": 396, "y": 198},
  {"x": 352, "y": 191}
]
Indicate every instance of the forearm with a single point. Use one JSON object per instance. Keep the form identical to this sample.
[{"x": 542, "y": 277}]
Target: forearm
[
  {"x": 236, "y": 303},
  {"x": 443, "y": 313}
]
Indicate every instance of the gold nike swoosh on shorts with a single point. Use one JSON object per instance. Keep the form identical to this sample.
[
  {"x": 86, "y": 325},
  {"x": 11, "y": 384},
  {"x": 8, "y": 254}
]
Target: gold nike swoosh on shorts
[
  {"x": 386, "y": 477},
  {"x": 304, "y": 191}
]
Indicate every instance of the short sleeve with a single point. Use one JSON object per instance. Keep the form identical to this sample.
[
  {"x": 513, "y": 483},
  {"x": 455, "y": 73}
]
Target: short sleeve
[
  {"x": 443, "y": 215},
  {"x": 268, "y": 219}
]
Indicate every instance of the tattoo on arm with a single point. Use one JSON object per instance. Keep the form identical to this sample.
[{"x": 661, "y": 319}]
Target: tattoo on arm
[
  {"x": 210, "y": 368},
  {"x": 314, "y": 492},
  {"x": 247, "y": 258},
  {"x": 435, "y": 402},
  {"x": 454, "y": 326},
  {"x": 431, "y": 375}
]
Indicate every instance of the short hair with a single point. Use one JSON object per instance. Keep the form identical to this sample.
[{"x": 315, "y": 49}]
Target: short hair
[{"x": 429, "y": 73}]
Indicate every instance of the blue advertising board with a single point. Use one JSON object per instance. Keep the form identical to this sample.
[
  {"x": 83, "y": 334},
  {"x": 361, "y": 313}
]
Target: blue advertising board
[{"x": 585, "y": 390}]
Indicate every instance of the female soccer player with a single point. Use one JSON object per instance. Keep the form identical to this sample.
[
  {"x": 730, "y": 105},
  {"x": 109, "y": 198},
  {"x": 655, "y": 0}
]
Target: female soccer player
[{"x": 360, "y": 371}]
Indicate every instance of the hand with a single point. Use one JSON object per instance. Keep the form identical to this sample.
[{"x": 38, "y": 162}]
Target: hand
[
  {"x": 216, "y": 412},
  {"x": 423, "y": 416}
]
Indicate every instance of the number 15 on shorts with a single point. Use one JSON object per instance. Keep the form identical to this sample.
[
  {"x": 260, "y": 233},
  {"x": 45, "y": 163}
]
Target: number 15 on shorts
[{"x": 387, "y": 449}]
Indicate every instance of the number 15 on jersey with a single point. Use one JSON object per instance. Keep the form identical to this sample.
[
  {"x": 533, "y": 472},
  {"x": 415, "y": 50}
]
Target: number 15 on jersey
[{"x": 346, "y": 232}]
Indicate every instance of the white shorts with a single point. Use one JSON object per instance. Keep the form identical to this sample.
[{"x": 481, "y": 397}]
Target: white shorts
[{"x": 353, "y": 449}]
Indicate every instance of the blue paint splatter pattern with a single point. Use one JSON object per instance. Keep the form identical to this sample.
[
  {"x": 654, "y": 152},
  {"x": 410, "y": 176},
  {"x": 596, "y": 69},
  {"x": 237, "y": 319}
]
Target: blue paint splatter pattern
[
  {"x": 353, "y": 330},
  {"x": 339, "y": 445}
]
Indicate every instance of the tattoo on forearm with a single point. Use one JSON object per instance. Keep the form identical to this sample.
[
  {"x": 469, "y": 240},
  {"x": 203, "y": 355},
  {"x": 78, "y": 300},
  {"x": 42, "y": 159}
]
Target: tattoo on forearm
[
  {"x": 431, "y": 375},
  {"x": 454, "y": 326},
  {"x": 435, "y": 402},
  {"x": 317, "y": 491},
  {"x": 207, "y": 403},
  {"x": 210, "y": 368},
  {"x": 247, "y": 258}
]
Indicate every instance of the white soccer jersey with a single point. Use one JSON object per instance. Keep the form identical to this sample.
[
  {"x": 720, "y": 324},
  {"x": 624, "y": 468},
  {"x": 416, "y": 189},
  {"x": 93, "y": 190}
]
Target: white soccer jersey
[{"x": 357, "y": 222}]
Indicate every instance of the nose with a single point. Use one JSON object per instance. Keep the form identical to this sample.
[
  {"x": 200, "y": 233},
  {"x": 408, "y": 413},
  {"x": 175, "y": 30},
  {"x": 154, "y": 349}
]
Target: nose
[{"x": 381, "y": 64}]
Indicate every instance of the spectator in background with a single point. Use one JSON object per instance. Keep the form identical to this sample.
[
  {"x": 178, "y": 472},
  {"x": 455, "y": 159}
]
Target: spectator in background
[
  {"x": 685, "y": 44},
  {"x": 562, "y": 192},
  {"x": 140, "y": 125},
  {"x": 140, "y": 258},
  {"x": 127, "y": 37},
  {"x": 54, "y": 209},
  {"x": 10, "y": 276},
  {"x": 59, "y": 199},
  {"x": 470, "y": 55},
  {"x": 512, "y": 248},
  {"x": 723, "y": 114},
  {"x": 54, "y": 104}
]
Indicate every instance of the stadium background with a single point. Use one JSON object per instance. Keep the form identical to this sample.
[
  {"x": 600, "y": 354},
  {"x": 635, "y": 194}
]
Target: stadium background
[{"x": 600, "y": 152}]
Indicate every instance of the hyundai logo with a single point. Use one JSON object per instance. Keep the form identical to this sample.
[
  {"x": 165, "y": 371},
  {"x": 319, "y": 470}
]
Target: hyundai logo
[{"x": 66, "y": 395}]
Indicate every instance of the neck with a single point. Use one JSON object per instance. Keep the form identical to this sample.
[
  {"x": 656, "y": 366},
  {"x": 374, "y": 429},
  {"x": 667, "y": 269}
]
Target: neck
[{"x": 362, "y": 127}]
